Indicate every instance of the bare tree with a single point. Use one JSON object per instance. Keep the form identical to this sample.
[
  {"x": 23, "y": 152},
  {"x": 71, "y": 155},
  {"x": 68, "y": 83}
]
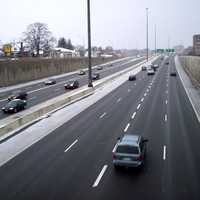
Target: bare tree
[{"x": 38, "y": 37}]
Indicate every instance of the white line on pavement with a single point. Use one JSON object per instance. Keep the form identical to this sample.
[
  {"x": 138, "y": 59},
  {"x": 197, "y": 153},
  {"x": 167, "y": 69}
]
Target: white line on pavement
[
  {"x": 68, "y": 148},
  {"x": 127, "y": 126},
  {"x": 133, "y": 116},
  {"x": 165, "y": 117},
  {"x": 166, "y": 91},
  {"x": 142, "y": 99},
  {"x": 145, "y": 94},
  {"x": 164, "y": 152},
  {"x": 114, "y": 148},
  {"x": 129, "y": 90},
  {"x": 102, "y": 115},
  {"x": 147, "y": 90},
  {"x": 166, "y": 102},
  {"x": 138, "y": 106},
  {"x": 118, "y": 100},
  {"x": 2, "y": 100},
  {"x": 100, "y": 176}
]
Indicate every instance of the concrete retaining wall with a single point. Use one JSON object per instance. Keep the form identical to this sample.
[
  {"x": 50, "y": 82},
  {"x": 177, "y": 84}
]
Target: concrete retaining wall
[
  {"x": 191, "y": 65},
  {"x": 20, "y": 71}
]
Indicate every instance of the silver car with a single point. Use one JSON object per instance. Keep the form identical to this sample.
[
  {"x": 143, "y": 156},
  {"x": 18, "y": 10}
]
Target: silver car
[{"x": 129, "y": 151}]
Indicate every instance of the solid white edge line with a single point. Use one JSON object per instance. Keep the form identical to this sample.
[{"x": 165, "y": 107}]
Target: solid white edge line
[
  {"x": 102, "y": 115},
  {"x": 133, "y": 116},
  {"x": 138, "y": 106},
  {"x": 68, "y": 148},
  {"x": 100, "y": 176},
  {"x": 164, "y": 152},
  {"x": 127, "y": 126}
]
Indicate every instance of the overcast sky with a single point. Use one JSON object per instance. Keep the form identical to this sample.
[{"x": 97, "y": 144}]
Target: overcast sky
[{"x": 119, "y": 23}]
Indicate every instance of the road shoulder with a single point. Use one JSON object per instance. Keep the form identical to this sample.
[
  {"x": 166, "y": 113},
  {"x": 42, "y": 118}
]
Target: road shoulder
[{"x": 193, "y": 92}]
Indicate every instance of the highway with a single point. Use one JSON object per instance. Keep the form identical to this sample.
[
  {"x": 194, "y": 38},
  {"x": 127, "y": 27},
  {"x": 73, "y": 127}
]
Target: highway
[
  {"x": 75, "y": 161},
  {"x": 38, "y": 93}
]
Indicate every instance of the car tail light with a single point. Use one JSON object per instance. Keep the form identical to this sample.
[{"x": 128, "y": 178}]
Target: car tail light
[{"x": 141, "y": 157}]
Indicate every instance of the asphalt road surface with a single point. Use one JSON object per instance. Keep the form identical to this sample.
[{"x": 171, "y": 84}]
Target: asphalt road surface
[
  {"x": 75, "y": 161},
  {"x": 39, "y": 93}
]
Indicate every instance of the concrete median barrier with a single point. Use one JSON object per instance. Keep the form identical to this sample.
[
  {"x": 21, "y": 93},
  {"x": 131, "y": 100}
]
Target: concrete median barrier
[{"x": 25, "y": 118}]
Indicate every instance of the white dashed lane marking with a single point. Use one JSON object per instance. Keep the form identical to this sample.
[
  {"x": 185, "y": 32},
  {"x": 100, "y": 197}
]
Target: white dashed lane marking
[{"x": 100, "y": 176}]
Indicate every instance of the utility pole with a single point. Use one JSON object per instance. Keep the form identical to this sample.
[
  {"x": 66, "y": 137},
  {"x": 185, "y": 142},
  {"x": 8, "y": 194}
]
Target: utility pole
[
  {"x": 89, "y": 46},
  {"x": 155, "y": 40},
  {"x": 147, "y": 39}
]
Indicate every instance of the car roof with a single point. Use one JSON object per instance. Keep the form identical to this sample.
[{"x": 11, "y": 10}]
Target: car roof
[{"x": 130, "y": 139}]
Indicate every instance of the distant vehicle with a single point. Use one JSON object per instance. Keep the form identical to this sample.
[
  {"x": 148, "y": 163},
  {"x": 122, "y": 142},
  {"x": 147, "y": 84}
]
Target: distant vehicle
[
  {"x": 14, "y": 106},
  {"x": 50, "y": 82},
  {"x": 130, "y": 151},
  {"x": 82, "y": 72},
  {"x": 18, "y": 95},
  {"x": 132, "y": 78},
  {"x": 144, "y": 68},
  {"x": 95, "y": 76},
  {"x": 72, "y": 84},
  {"x": 154, "y": 67},
  {"x": 150, "y": 72},
  {"x": 173, "y": 74},
  {"x": 99, "y": 67}
]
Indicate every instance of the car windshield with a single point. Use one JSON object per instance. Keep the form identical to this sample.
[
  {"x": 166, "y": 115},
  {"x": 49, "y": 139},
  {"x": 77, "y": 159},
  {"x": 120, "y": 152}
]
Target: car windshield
[{"x": 127, "y": 149}]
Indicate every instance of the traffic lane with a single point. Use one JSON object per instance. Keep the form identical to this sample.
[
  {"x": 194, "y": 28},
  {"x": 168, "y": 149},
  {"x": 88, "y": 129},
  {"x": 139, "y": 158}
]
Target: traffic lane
[
  {"x": 74, "y": 76},
  {"x": 184, "y": 156},
  {"x": 146, "y": 183},
  {"x": 28, "y": 161},
  {"x": 61, "y": 79},
  {"x": 49, "y": 92}
]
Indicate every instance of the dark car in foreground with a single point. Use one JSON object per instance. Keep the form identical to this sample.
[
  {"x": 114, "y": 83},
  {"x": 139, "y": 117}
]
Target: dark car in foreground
[
  {"x": 18, "y": 95},
  {"x": 14, "y": 106},
  {"x": 95, "y": 76},
  {"x": 132, "y": 77},
  {"x": 50, "y": 82},
  {"x": 72, "y": 84},
  {"x": 129, "y": 151}
]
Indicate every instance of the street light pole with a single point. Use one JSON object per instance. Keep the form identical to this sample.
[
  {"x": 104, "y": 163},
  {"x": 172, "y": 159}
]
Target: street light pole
[
  {"x": 155, "y": 40},
  {"x": 147, "y": 39},
  {"x": 89, "y": 46}
]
